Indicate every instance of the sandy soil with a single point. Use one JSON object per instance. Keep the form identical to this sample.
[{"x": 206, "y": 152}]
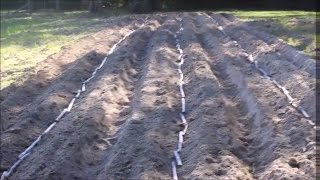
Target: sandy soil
[{"x": 125, "y": 125}]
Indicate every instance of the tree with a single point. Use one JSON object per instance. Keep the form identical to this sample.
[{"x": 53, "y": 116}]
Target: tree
[
  {"x": 44, "y": 4},
  {"x": 144, "y": 6},
  {"x": 93, "y": 6},
  {"x": 156, "y": 5},
  {"x": 30, "y": 6},
  {"x": 57, "y": 2}
]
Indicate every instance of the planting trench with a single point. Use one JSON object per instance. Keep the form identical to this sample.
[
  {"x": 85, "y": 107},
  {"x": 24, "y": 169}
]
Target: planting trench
[{"x": 127, "y": 123}]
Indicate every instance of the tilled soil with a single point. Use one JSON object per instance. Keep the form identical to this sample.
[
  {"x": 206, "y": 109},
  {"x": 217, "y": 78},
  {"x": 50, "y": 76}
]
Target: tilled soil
[{"x": 125, "y": 124}]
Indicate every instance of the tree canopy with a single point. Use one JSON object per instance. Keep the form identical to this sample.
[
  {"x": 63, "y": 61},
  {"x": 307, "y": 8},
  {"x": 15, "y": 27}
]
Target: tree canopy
[{"x": 152, "y": 5}]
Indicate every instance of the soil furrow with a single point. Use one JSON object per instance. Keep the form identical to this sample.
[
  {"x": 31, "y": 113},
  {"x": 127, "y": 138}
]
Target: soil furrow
[
  {"x": 125, "y": 124},
  {"x": 272, "y": 132},
  {"x": 90, "y": 129},
  {"x": 297, "y": 58},
  {"x": 100, "y": 135},
  {"x": 28, "y": 129},
  {"x": 23, "y": 121},
  {"x": 298, "y": 80},
  {"x": 287, "y": 51},
  {"x": 144, "y": 147},
  {"x": 208, "y": 136},
  {"x": 78, "y": 59}
]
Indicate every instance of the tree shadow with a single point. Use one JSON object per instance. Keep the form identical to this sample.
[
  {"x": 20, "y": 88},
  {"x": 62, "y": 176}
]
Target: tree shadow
[
  {"x": 29, "y": 108},
  {"x": 58, "y": 71},
  {"x": 90, "y": 123},
  {"x": 298, "y": 33},
  {"x": 34, "y": 31},
  {"x": 38, "y": 101}
]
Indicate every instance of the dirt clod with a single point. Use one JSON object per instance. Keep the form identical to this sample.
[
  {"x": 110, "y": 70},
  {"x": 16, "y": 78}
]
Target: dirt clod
[
  {"x": 220, "y": 172},
  {"x": 294, "y": 163}
]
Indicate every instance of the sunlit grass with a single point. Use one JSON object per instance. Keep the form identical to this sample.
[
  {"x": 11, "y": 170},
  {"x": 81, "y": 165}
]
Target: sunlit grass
[{"x": 273, "y": 14}]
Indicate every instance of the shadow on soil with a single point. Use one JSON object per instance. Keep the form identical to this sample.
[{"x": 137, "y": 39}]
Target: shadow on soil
[
  {"x": 16, "y": 98},
  {"x": 299, "y": 33}
]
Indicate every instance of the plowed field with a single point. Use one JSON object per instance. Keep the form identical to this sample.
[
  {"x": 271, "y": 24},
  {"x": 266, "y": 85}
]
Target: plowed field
[{"x": 230, "y": 101}]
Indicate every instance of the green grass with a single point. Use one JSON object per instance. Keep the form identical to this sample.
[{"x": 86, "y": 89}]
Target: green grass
[
  {"x": 297, "y": 28},
  {"x": 28, "y": 40},
  {"x": 272, "y": 14}
]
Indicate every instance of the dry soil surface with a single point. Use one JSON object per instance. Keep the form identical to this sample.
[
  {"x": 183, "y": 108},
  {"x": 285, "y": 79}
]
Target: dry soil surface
[{"x": 125, "y": 124}]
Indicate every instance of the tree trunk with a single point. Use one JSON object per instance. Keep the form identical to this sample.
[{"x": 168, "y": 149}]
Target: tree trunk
[
  {"x": 30, "y": 6},
  {"x": 84, "y": 4},
  {"x": 147, "y": 6},
  {"x": 57, "y": 4},
  {"x": 93, "y": 6},
  {"x": 44, "y": 4},
  {"x": 156, "y": 5}
]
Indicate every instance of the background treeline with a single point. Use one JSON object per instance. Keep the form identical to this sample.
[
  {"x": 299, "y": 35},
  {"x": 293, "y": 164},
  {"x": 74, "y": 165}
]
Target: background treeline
[
  {"x": 155, "y": 5},
  {"x": 248, "y": 4}
]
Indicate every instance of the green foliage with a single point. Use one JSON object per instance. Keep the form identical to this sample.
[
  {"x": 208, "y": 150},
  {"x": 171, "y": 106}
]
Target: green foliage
[
  {"x": 272, "y": 14},
  {"x": 169, "y": 4}
]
